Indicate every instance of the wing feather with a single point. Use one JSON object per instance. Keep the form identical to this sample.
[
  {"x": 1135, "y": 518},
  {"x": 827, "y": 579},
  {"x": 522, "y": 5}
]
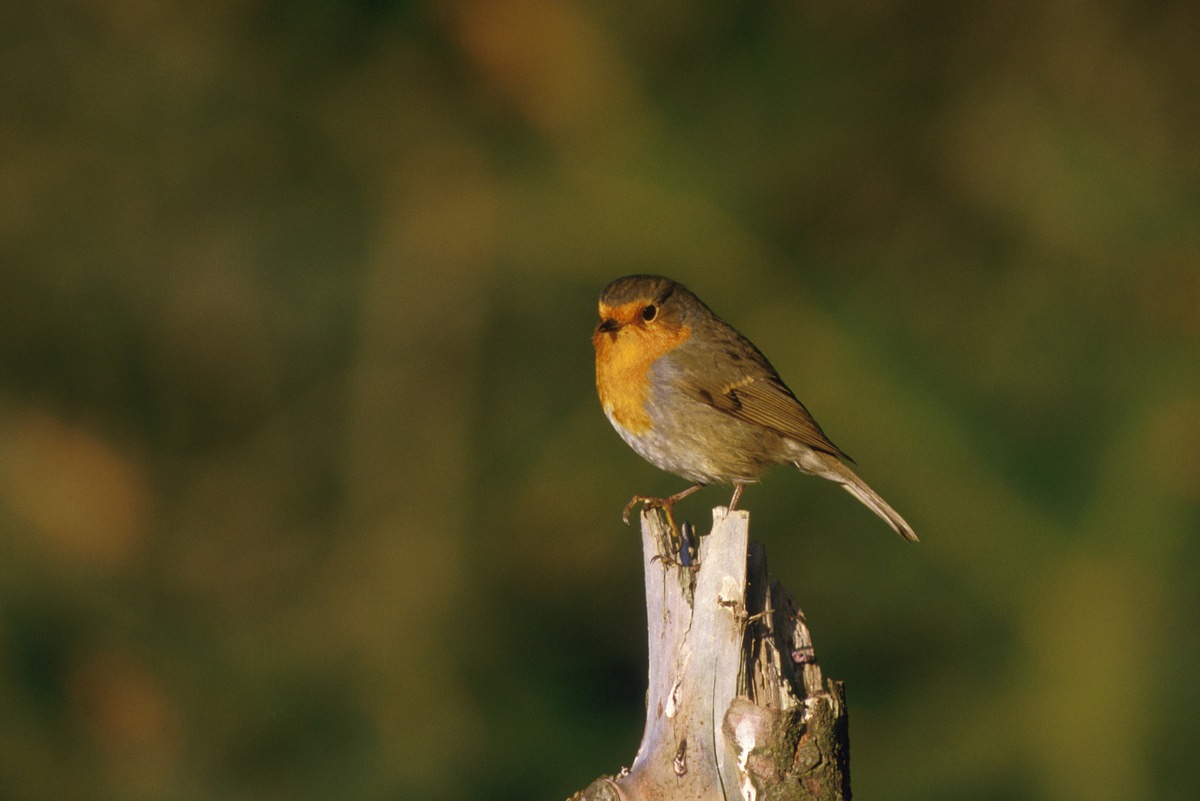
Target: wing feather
[{"x": 742, "y": 383}]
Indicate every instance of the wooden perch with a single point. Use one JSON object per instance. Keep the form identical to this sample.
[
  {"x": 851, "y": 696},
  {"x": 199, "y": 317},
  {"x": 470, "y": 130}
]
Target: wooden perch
[{"x": 737, "y": 707}]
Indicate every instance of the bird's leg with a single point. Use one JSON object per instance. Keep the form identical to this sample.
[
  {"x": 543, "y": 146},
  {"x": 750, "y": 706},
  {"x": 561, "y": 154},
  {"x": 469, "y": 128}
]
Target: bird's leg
[
  {"x": 666, "y": 504},
  {"x": 737, "y": 493}
]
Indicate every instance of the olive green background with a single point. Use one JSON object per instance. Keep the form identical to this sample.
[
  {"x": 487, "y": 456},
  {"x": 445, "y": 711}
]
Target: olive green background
[{"x": 304, "y": 489}]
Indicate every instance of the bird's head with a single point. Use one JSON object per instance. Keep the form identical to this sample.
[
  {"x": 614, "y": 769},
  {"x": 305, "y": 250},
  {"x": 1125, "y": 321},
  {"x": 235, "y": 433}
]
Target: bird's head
[{"x": 651, "y": 305}]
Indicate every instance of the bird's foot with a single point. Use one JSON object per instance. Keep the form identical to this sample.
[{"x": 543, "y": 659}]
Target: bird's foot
[
  {"x": 648, "y": 502},
  {"x": 667, "y": 505}
]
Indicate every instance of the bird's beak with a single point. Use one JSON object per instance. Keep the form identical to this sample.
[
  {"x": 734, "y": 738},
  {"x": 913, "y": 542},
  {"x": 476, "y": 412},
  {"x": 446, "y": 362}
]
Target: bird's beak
[{"x": 606, "y": 325}]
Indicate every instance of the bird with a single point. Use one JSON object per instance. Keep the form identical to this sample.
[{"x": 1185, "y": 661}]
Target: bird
[{"x": 694, "y": 397}]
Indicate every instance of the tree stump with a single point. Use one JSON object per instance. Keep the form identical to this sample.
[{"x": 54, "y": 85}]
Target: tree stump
[{"x": 737, "y": 707}]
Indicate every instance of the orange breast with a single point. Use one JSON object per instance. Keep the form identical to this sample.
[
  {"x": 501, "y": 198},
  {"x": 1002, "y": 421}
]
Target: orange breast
[{"x": 623, "y": 359}]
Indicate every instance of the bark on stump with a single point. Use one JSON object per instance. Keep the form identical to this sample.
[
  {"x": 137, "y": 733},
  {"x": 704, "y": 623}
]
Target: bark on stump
[{"x": 737, "y": 707}]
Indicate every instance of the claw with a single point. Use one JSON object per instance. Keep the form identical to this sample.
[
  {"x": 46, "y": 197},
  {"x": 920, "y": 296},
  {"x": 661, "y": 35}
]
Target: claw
[
  {"x": 634, "y": 501},
  {"x": 667, "y": 504}
]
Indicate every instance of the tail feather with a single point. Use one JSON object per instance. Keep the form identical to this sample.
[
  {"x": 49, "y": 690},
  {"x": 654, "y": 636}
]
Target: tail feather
[{"x": 828, "y": 466}]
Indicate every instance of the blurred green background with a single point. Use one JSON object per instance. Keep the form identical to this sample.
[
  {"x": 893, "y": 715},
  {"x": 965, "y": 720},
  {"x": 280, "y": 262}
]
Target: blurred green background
[{"x": 304, "y": 489}]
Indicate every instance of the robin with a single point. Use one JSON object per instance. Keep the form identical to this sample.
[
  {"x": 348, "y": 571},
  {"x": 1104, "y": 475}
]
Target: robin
[{"x": 694, "y": 397}]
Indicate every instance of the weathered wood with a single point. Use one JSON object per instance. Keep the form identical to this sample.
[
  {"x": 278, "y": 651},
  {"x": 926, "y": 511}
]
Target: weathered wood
[{"x": 737, "y": 707}]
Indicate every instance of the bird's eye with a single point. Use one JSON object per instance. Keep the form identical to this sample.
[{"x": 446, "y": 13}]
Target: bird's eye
[{"x": 650, "y": 312}]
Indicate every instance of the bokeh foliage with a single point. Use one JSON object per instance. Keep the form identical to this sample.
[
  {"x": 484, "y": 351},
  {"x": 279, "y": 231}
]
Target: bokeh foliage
[{"x": 304, "y": 490}]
